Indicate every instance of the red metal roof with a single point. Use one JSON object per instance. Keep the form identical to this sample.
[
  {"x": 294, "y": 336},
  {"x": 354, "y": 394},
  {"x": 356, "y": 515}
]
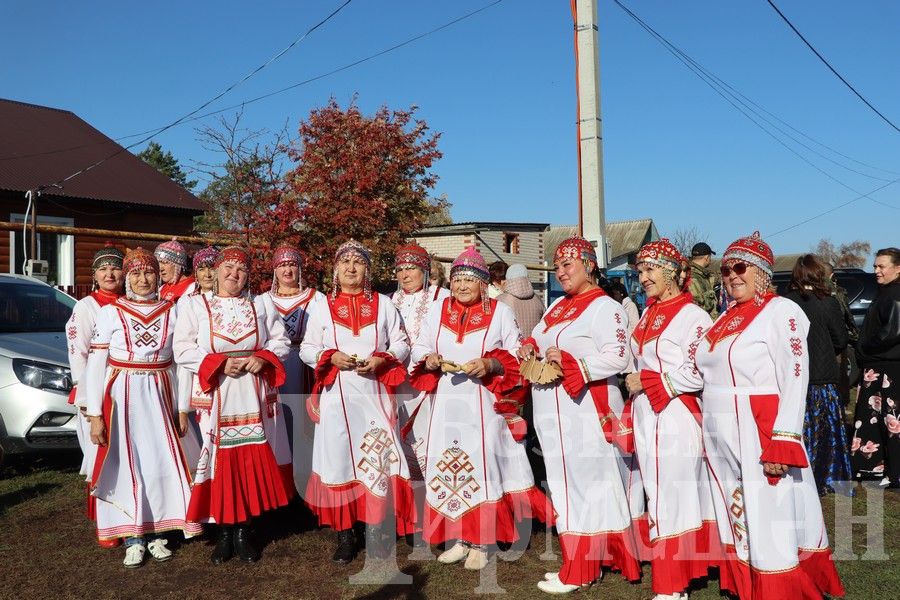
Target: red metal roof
[{"x": 40, "y": 146}]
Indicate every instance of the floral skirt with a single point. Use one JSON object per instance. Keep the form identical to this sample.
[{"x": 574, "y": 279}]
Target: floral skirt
[
  {"x": 825, "y": 437},
  {"x": 875, "y": 450}
]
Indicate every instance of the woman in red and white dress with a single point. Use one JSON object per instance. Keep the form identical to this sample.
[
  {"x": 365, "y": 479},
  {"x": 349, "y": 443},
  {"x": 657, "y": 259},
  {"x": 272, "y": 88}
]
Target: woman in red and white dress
[
  {"x": 109, "y": 283},
  {"x": 234, "y": 342},
  {"x": 479, "y": 483},
  {"x": 173, "y": 264},
  {"x": 414, "y": 297},
  {"x": 141, "y": 479},
  {"x": 668, "y": 437},
  {"x": 755, "y": 369},
  {"x": 357, "y": 345},
  {"x": 294, "y": 303},
  {"x": 578, "y": 419}
]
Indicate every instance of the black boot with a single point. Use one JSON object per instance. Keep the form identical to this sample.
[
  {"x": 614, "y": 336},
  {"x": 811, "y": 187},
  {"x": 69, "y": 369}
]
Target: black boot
[
  {"x": 346, "y": 548},
  {"x": 224, "y": 545},
  {"x": 244, "y": 546}
]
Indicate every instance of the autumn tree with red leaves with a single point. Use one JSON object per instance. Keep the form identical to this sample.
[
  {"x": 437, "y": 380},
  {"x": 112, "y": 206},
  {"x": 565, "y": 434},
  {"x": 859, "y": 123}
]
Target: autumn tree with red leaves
[{"x": 358, "y": 177}]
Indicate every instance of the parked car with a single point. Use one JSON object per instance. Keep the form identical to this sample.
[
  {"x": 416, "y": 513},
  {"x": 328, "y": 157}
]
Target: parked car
[
  {"x": 35, "y": 380},
  {"x": 861, "y": 289}
]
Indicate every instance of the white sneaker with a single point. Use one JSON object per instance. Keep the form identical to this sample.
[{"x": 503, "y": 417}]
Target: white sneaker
[
  {"x": 158, "y": 550},
  {"x": 550, "y": 575},
  {"x": 555, "y": 586},
  {"x": 455, "y": 554},
  {"x": 885, "y": 482},
  {"x": 134, "y": 556},
  {"x": 477, "y": 559}
]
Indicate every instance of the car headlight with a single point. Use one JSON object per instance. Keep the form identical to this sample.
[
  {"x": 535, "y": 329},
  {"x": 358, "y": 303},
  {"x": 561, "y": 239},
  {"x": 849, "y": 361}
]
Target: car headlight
[{"x": 43, "y": 376}]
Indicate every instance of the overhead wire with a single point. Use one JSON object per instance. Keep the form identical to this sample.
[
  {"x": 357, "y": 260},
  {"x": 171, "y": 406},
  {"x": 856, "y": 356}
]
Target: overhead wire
[
  {"x": 832, "y": 69},
  {"x": 205, "y": 104},
  {"x": 308, "y": 81},
  {"x": 711, "y": 80}
]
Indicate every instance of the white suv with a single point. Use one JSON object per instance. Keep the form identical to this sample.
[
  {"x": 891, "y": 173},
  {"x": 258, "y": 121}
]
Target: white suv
[{"x": 35, "y": 381}]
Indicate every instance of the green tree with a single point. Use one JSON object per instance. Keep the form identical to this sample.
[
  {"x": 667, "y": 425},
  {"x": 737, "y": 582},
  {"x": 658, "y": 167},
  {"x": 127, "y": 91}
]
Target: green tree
[{"x": 165, "y": 163}]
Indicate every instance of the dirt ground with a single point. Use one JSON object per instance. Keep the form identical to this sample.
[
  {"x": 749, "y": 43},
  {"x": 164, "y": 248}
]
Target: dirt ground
[{"x": 47, "y": 550}]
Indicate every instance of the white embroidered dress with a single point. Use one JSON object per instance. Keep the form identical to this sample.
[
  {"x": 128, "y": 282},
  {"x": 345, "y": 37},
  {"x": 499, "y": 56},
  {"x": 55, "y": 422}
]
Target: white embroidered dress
[
  {"x": 141, "y": 479},
  {"x": 294, "y": 311},
  {"x": 478, "y": 480},
  {"x": 79, "y": 331},
  {"x": 669, "y": 447},
  {"x": 245, "y": 461},
  {"x": 755, "y": 368},
  {"x": 413, "y": 309},
  {"x": 359, "y": 468},
  {"x": 595, "y": 487}
]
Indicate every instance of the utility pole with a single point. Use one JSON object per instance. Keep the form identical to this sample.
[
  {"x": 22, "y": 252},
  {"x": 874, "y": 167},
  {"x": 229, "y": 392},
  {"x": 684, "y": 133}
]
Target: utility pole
[{"x": 591, "y": 220}]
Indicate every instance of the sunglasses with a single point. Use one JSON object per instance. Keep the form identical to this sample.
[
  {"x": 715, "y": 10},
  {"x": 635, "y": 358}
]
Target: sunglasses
[{"x": 738, "y": 268}]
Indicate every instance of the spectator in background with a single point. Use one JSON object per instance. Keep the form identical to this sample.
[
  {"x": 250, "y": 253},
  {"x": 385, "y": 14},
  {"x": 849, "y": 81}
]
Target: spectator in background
[
  {"x": 519, "y": 295},
  {"x": 876, "y": 439},
  {"x": 823, "y": 426},
  {"x": 703, "y": 281},
  {"x": 849, "y": 369},
  {"x": 437, "y": 276},
  {"x": 498, "y": 278},
  {"x": 620, "y": 294}
]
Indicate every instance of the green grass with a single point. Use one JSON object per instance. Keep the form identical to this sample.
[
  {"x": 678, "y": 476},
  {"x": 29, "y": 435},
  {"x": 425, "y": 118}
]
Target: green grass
[{"x": 47, "y": 549}]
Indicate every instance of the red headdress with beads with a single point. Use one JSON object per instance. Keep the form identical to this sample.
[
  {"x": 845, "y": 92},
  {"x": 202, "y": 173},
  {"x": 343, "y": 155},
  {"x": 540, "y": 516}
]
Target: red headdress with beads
[
  {"x": 751, "y": 249},
  {"x": 139, "y": 258},
  {"x": 233, "y": 254},
  {"x": 577, "y": 248},
  {"x": 663, "y": 253}
]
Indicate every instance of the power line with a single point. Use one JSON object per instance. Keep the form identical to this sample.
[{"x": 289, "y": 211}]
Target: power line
[
  {"x": 832, "y": 69},
  {"x": 736, "y": 98},
  {"x": 205, "y": 104},
  {"x": 284, "y": 89},
  {"x": 711, "y": 81}
]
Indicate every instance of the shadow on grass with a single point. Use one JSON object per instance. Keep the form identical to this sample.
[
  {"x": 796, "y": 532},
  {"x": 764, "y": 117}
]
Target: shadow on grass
[
  {"x": 407, "y": 592},
  {"x": 24, "y": 464},
  {"x": 25, "y": 494}
]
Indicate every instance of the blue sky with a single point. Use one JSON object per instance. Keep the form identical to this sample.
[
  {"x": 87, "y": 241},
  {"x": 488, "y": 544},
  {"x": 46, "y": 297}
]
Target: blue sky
[{"x": 500, "y": 87}]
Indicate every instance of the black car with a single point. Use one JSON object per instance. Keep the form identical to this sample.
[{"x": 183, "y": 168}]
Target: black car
[{"x": 861, "y": 289}]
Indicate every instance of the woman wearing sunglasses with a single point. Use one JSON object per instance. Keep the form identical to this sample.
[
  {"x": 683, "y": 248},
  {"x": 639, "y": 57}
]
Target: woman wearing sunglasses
[
  {"x": 753, "y": 367},
  {"x": 668, "y": 438}
]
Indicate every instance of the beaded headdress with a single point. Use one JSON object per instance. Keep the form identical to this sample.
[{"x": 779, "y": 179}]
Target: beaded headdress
[
  {"x": 353, "y": 248},
  {"x": 205, "y": 257},
  {"x": 108, "y": 255},
  {"x": 173, "y": 252}
]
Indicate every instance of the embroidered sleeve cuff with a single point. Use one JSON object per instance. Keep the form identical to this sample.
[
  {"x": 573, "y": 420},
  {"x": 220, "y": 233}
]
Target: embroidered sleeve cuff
[
  {"x": 574, "y": 374},
  {"x": 509, "y": 379},
  {"x": 657, "y": 389},
  {"x": 274, "y": 372},
  {"x": 326, "y": 373},
  {"x": 210, "y": 369},
  {"x": 785, "y": 449},
  {"x": 391, "y": 372},
  {"x": 423, "y": 380}
]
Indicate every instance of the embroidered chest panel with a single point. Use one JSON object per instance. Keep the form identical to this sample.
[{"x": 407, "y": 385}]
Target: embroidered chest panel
[
  {"x": 657, "y": 318},
  {"x": 464, "y": 320},
  {"x": 569, "y": 309},
  {"x": 734, "y": 321},
  {"x": 292, "y": 311},
  {"x": 231, "y": 319},
  {"x": 146, "y": 326},
  {"x": 354, "y": 312}
]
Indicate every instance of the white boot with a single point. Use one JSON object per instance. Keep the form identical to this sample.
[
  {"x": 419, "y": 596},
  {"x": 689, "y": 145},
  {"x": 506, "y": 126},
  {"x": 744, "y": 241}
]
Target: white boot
[
  {"x": 455, "y": 554},
  {"x": 477, "y": 559},
  {"x": 555, "y": 586}
]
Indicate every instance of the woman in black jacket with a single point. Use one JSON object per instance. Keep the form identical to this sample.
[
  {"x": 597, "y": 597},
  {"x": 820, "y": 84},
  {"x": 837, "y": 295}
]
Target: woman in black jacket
[
  {"x": 823, "y": 427},
  {"x": 876, "y": 439}
]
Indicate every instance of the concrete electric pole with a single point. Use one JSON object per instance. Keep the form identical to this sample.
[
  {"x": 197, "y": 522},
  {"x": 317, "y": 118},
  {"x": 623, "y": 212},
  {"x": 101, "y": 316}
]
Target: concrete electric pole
[{"x": 592, "y": 220}]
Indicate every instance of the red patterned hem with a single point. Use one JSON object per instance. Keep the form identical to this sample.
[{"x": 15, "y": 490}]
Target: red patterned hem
[
  {"x": 814, "y": 576},
  {"x": 341, "y": 506},
  {"x": 489, "y": 522},
  {"x": 679, "y": 559},
  {"x": 126, "y": 531},
  {"x": 248, "y": 482},
  {"x": 585, "y": 555}
]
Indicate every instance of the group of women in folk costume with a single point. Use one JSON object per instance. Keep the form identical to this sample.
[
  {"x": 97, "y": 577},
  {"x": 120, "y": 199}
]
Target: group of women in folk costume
[{"x": 422, "y": 392}]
